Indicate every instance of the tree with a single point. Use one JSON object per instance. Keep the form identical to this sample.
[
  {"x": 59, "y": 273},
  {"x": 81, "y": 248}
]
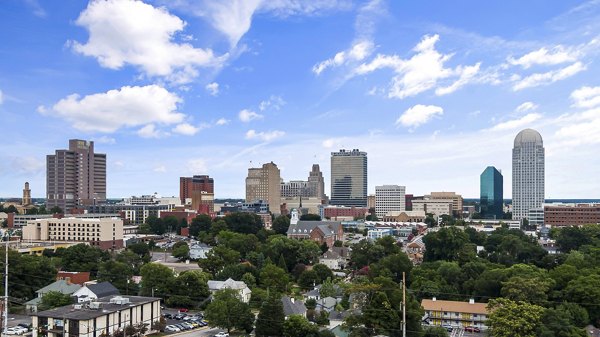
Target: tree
[
  {"x": 323, "y": 272},
  {"x": 56, "y": 210},
  {"x": 444, "y": 244},
  {"x": 310, "y": 217},
  {"x": 273, "y": 278},
  {"x": 298, "y": 326},
  {"x": 509, "y": 318},
  {"x": 200, "y": 223},
  {"x": 435, "y": 331},
  {"x": 556, "y": 322},
  {"x": 527, "y": 289},
  {"x": 217, "y": 258},
  {"x": 182, "y": 252},
  {"x": 117, "y": 273},
  {"x": 249, "y": 279},
  {"x": 156, "y": 225},
  {"x": 192, "y": 284},
  {"x": 327, "y": 289},
  {"x": 227, "y": 311},
  {"x": 156, "y": 279},
  {"x": 242, "y": 222},
  {"x": 308, "y": 279},
  {"x": 586, "y": 291},
  {"x": 270, "y": 318},
  {"x": 83, "y": 257},
  {"x": 281, "y": 224},
  {"x": 54, "y": 299}
]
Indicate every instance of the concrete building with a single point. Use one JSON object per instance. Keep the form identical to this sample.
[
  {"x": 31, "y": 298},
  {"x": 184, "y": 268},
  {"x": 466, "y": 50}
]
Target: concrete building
[
  {"x": 295, "y": 188},
  {"x": 491, "y": 193},
  {"x": 264, "y": 183},
  {"x": 528, "y": 173},
  {"x": 75, "y": 177},
  {"x": 187, "y": 185},
  {"x": 343, "y": 212},
  {"x": 389, "y": 198},
  {"x": 103, "y": 317},
  {"x": 18, "y": 221},
  {"x": 457, "y": 200},
  {"x": 316, "y": 182},
  {"x": 349, "y": 178},
  {"x": 371, "y": 201},
  {"x": 133, "y": 214},
  {"x": 203, "y": 202},
  {"x": 571, "y": 214},
  {"x": 455, "y": 313},
  {"x": 106, "y": 233},
  {"x": 309, "y": 205},
  {"x": 26, "y": 195},
  {"x": 535, "y": 216},
  {"x": 437, "y": 207}
]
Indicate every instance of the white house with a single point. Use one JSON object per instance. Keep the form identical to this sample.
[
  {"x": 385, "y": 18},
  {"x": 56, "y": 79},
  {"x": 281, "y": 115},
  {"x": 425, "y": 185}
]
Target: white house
[
  {"x": 332, "y": 260},
  {"x": 199, "y": 251},
  {"x": 93, "y": 291},
  {"x": 243, "y": 290}
]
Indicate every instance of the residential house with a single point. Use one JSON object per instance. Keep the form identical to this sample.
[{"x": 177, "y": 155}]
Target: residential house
[
  {"x": 328, "y": 304},
  {"x": 293, "y": 307},
  {"x": 332, "y": 260},
  {"x": 320, "y": 231},
  {"x": 455, "y": 313},
  {"x": 92, "y": 291},
  {"x": 243, "y": 290},
  {"x": 74, "y": 277},
  {"x": 61, "y": 286},
  {"x": 199, "y": 251}
]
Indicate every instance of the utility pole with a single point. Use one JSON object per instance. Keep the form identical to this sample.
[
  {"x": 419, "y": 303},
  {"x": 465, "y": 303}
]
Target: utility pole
[{"x": 403, "y": 304}]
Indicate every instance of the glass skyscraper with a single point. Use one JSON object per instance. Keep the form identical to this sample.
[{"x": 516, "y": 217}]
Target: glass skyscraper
[
  {"x": 527, "y": 173},
  {"x": 349, "y": 178},
  {"x": 491, "y": 193}
]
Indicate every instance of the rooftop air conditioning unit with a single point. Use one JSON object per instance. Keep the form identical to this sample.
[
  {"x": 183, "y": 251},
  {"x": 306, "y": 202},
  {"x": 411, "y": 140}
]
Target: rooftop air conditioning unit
[{"x": 119, "y": 300}]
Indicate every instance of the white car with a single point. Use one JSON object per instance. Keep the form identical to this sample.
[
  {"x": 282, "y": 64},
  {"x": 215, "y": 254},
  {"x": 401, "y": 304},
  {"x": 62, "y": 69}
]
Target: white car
[
  {"x": 13, "y": 331},
  {"x": 222, "y": 334},
  {"x": 172, "y": 328}
]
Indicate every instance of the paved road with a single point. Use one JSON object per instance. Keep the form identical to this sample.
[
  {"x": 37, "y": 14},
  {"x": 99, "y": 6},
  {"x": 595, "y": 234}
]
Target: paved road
[{"x": 160, "y": 256}]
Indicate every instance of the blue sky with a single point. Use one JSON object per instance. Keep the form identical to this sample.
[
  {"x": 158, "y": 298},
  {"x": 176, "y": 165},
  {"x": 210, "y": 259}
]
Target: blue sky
[{"x": 434, "y": 91}]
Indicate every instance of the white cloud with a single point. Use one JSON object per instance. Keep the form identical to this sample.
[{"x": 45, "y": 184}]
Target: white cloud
[
  {"x": 274, "y": 102},
  {"x": 525, "y": 107},
  {"x": 132, "y": 32},
  {"x": 581, "y": 128},
  {"x": 105, "y": 140},
  {"x": 186, "y": 129},
  {"x": 543, "y": 56},
  {"x": 419, "y": 114},
  {"x": 586, "y": 97},
  {"x": 328, "y": 143},
  {"x": 114, "y": 109},
  {"x": 264, "y": 136},
  {"x": 549, "y": 77},
  {"x": 248, "y": 115},
  {"x": 150, "y": 131},
  {"x": 222, "y": 121},
  {"x": 358, "y": 52},
  {"x": 517, "y": 123},
  {"x": 1, "y": 97},
  {"x": 212, "y": 88},
  {"x": 422, "y": 71},
  {"x": 160, "y": 169},
  {"x": 197, "y": 166}
]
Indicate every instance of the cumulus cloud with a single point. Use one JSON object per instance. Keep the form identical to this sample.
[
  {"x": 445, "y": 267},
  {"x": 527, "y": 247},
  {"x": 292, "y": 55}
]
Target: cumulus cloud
[
  {"x": 212, "y": 88},
  {"x": 517, "y": 123},
  {"x": 544, "y": 56},
  {"x": 358, "y": 52},
  {"x": 150, "y": 131},
  {"x": 132, "y": 32},
  {"x": 160, "y": 169},
  {"x": 581, "y": 128},
  {"x": 264, "y": 136},
  {"x": 586, "y": 97},
  {"x": 549, "y": 77},
  {"x": 274, "y": 102},
  {"x": 186, "y": 129},
  {"x": 1, "y": 97},
  {"x": 222, "y": 121},
  {"x": 525, "y": 107},
  {"x": 418, "y": 115},
  {"x": 115, "y": 109},
  {"x": 105, "y": 140},
  {"x": 423, "y": 71},
  {"x": 247, "y": 115}
]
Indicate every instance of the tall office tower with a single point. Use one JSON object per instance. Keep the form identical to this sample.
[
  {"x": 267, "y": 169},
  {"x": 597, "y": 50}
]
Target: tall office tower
[
  {"x": 26, "y": 195},
  {"x": 491, "y": 193},
  {"x": 76, "y": 176},
  {"x": 264, "y": 183},
  {"x": 187, "y": 186},
  {"x": 389, "y": 198},
  {"x": 527, "y": 173},
  {"x": 295, "y": 189},
  {"x": 349, "y": 178},
  {"x": 316, "y": 183}
]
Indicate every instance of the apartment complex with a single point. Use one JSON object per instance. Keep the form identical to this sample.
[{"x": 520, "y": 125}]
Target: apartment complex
[
  {"x": 187, "y": 186},
  {"x": 106, "y": 233},
  {"x": 349, "y": 178},
  {"x": 528, "y": 173},
  {"x": 75, "y": 177},
  {"x": 389, "y": 198},
  {"x": 455, "y": 313},
  {"x": 571, "y": 214},
  {"x": 264, "y": 183},
  {"x": 491, "y": 193}
]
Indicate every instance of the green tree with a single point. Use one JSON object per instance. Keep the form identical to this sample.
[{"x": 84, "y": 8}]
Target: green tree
[
  {"x": 327, "y": 289},
  {"x": 217, "y": 258},
  {"x": 249, "y": 279},
  {"x": 54, "y": 299},
  {"x": 273, "y": 278},
  {"x": 242, "y": 222},
  {"x": 227, "y": 311},
  {"x": 281, "y": 224},
  {"x": 586, "y": 291},
  {"x": 182, "y": 252},
  {"x": 509, "y": 318},
  {"x": 444, "y": 244},
  {"x": 192, "y": 284},
  {"x": 156, "y": 225},
  {"x": 308, "y": 279},
  {"x": 55, "y": 210},
  {"x": 270, "y": 318},
  {"x": 323, "y": 272},
  {"x": 118, "y": 274},
  {"x": 527, "y": 289},
  {"x": 298, "y": 326},
  {"x": 435, "y": 331},
  {"x": 156, "y": 279},
  {"x": 200, "y": 223},
  {"x": 83, "y": 257}
]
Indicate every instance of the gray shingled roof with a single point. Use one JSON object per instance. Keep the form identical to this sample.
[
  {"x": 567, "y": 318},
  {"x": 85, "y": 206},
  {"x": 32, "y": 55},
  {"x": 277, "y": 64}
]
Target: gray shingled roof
[
  {"x": 61, "y": 286},
  {"x": 292, "y": 308},
  {"x": 103, "y": 289},
  {"x": 305, "y": 227}
]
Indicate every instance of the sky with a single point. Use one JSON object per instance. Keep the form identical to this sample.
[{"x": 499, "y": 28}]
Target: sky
[{"x": 433, "y": 91}]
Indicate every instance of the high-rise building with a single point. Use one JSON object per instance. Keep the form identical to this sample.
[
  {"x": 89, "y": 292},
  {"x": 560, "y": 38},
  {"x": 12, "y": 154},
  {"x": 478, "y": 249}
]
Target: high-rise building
[
  {"x": 389, "y": 198},
  {"x": 26, "y": 195},
  {"x": 349, "y": 178},
  {"x": 295, "y": 189},
  {"x": 316, "y": 183},
  {"x": 264, "y": 183},
  {"x": 76, "y": 176},
  {"x": 187, "y": 186},
  {"x": 527, "y": 173},
  {"x": 491, "y": 193}
]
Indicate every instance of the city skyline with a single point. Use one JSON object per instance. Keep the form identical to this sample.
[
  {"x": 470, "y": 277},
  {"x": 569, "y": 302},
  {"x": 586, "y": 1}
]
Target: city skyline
[{"x": 431, "y": 97}]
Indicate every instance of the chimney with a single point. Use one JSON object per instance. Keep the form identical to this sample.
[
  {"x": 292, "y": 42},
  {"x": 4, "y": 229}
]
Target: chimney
[
  {"x": 292, "y": 299},
  {"x": 434, "y": 299},
  {"x": 471, "y": 301}
]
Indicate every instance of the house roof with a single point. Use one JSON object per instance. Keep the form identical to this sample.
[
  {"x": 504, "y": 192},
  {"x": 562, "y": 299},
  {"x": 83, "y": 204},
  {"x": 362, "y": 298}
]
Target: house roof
[
  {"x": 327, "y": 302},
  {"x": 454, "y": 306},
  {"x": 229, "y": 284},
  {"x": 343, "y": 252},
  {"x": 103, "y": 289},
  {"x": 329, "y": 255},
  {"x": 292, "y": 308},
  {"x": 305, "y": 227},
  {"x": 61, "y": 286}
]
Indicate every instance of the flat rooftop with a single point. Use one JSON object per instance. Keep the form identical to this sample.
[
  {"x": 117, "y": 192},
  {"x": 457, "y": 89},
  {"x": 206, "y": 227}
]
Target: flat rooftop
[{"x": 69, "y": 312}]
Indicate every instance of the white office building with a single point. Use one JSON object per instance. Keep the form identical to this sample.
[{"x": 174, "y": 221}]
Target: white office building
[
  {"x": 389, "y": 198},
  {"x": 527, "y": 173}
]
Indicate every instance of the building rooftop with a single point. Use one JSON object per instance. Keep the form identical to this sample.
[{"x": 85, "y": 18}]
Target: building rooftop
[
  {"x": 86, "y": 313},
  {"x": 528, "y": 136},
  {"x": 455, "y": 306}
]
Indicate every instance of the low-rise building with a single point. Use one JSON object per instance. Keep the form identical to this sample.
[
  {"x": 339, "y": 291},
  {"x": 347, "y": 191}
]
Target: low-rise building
[
  {"x": 92, "y": 291},
  {"x": 405, "y": 216},
  {"x": 102, "y": 317},
  {"x": 292, "y": 306},
  {"x": 243, "y": 291},
  {"x": 437, "y": 207},
  {"x": 74, "y": 277},
  {"x": 199, "y": 251},
  {"x": 333, "y": 260},
  {"x": 455, "y": 313},
  {"x": 62, "y": 286},
  {"x": 571, "y": 214},
  {"x": 343, "y": 212}
]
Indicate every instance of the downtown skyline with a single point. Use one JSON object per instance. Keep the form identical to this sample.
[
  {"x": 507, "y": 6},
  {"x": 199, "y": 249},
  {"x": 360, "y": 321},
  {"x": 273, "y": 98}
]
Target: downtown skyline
[{"x": 433, "y": 97}]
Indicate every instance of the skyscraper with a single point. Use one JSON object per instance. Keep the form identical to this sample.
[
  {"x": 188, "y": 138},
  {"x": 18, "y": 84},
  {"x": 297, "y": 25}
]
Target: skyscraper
[
  {"x": 389, "y": 198},
  {"x": 349, "y": 178},
  {"x": 264, "y": 183},
  {"x": 26, "y": 195},
  {"x": 316, "y": 183},
  {"x": 76, "y": 176},
  {"x": 491, "y": 193},
  {"x": 187, "y": 186},
  {"x": 527, "y": 173}
]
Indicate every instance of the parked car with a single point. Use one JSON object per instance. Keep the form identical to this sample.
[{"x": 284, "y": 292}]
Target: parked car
[
  {"x": 472, "y": 329},
  {"x": 172, "y": 328},
  {"x": 448, "y": 327},
  {"x": 222, "y": 334},
  {"x": 22, "y": 329},
  {"x": 168, "y": 316},
  {"x": 179, "y": 316},
  {"x": 13, "y": 331},
  {"x": 24, "y": 325},
  {"x": 183, "y": 310}
]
